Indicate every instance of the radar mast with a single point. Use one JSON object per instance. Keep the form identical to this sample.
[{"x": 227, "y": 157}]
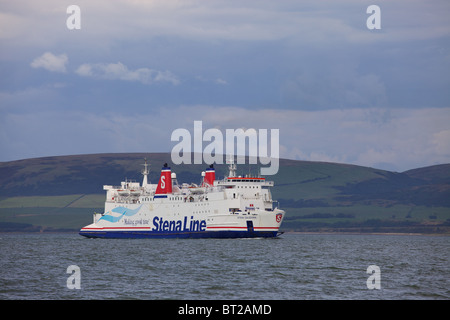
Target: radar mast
[
  {"x": 231, "y": 166},
  {"x": 145, "y": 173}
]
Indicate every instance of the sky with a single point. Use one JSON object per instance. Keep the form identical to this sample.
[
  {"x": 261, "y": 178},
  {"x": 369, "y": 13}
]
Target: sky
[{"x": 135, "y": 71}]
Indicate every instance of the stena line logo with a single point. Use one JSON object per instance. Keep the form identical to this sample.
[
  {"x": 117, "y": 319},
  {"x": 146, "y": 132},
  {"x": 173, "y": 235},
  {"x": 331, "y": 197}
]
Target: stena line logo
[
  {"x": 278, "y": 217},
  {"x": 185, "y": 225},
  {"x": 165, "y": 184}
]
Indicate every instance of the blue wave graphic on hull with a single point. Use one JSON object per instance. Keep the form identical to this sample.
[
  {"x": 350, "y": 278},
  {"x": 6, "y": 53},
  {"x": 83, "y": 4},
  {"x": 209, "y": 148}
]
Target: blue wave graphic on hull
[{"x": 122, "y": 211}]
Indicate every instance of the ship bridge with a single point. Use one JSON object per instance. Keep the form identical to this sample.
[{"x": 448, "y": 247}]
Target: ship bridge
[{"x": 235, "y": 181}]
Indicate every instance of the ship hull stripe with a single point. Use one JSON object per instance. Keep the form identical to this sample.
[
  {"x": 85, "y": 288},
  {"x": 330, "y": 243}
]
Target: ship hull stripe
[
  {"x": 148, "y": 228},
  {"x": 152, "y": 234},
  {"x": 243, "y": 228}
]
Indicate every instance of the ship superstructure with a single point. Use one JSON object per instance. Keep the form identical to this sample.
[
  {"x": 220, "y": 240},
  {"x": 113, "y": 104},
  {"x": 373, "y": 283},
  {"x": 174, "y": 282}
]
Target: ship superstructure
[{"x": 234, "y": 207}]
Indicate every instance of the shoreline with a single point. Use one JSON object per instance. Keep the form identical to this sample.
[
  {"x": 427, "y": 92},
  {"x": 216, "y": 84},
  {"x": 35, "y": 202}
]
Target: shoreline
[{"x": 285, "y": 232}]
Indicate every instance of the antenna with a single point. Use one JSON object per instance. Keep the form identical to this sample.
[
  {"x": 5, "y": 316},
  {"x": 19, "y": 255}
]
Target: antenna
[
  {"x": 231, "y": 167},
  {"x": 145, "y": 173}
]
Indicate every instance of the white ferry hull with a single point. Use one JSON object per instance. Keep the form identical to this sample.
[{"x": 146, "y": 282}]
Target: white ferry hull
[
  {"x": 145, "y": 225},
  {"x": 236, "y": 207}
]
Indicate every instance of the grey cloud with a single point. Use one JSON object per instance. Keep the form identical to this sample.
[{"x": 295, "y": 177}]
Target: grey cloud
[
  {"x": 118, "y": 71},
  {"x": 51, "y": 62}
]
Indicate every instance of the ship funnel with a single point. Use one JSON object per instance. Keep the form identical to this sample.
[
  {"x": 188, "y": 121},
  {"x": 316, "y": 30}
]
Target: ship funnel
[
  {"x": 210, "y": 176},
  {"x": 165, "y": 183}
]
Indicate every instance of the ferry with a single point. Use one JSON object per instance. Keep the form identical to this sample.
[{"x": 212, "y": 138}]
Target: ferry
[{"x": 234, "y": 207}]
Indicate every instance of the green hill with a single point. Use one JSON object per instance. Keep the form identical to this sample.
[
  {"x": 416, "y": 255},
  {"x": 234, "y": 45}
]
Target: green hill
[{"x": 61, "y": 193}]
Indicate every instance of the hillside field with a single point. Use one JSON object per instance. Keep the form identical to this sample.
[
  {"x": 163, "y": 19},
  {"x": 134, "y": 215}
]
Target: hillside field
[{"x": 61, "y": 193}]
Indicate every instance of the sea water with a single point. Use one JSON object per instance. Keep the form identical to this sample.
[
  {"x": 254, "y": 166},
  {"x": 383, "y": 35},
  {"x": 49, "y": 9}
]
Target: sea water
[{"x": 291, "y": 267}]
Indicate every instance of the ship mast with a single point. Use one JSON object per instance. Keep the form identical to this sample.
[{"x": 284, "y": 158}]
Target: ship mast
[
  {"x": 231, "y": 167},
  {"x": 145, "y": 173}
]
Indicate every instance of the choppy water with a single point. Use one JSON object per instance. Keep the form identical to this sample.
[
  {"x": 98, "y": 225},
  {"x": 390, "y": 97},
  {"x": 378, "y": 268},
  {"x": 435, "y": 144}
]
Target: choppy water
[{"x": 295, "y": 266}]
